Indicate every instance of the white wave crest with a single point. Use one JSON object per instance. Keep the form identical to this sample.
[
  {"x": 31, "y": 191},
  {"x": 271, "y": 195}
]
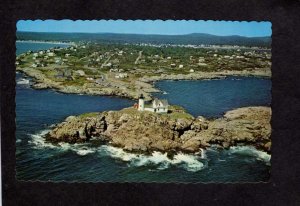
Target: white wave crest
[
  {"x": 84, "y": 151},
  {"x": 39, "y": 142},
  {"x": 158, "y": 159},
  {"x": 251, "y": 151}
]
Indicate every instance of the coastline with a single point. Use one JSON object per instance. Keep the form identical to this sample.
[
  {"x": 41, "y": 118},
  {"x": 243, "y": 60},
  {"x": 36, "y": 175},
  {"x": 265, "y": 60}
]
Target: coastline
[
  {"x": 45, "y": 42},
  {"x": 148, "y": 83},
  {"x": 146, "y": 132}
]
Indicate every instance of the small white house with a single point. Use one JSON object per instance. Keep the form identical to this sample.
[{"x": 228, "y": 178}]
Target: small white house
[
  {"x": 51, "y": 54},
  {"x": 201, "y": 59},
  {"x": 180, "y": 66},
  {"x": 121, "y": 76},
  {"x": 158, "y": 105}
]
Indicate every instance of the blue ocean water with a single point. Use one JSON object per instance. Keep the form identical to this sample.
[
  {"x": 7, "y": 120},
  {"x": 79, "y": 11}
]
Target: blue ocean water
[
  {"x": 93, "y": 162},
  {"x": 25, "y": 46},
  {"x": 211, "y": 98}
]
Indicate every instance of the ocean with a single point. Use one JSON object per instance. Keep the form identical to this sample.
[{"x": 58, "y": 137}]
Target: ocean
[{"x": 36, "y": 159}]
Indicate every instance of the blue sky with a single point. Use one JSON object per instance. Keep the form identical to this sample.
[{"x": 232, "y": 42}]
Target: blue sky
[{"x": 222, "y": 28}]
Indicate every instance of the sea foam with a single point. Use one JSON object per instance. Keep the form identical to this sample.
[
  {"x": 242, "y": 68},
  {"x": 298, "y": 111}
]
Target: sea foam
[
  {"x": 157, "y": 159},
  {"x": 251, "y": 151},
  {"x": 38, "y": 141}
]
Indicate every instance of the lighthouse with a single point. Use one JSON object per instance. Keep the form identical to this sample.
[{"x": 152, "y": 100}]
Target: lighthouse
[{"x": 141, "y": 103}]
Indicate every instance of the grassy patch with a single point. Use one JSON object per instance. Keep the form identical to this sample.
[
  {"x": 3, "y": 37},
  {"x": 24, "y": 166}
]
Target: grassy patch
[
  {"x": 91, "y": 114},
  {"x": 179, "y": 115}
]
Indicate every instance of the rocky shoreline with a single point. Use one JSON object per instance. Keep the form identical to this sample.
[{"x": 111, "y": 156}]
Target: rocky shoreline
[
  {"x": 131, "y": 90},
  {"x": 144, "y": 132}
]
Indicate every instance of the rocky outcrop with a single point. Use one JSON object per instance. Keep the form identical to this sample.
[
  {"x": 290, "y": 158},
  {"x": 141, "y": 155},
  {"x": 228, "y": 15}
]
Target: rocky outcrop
[{"x": 176, "y": 131}]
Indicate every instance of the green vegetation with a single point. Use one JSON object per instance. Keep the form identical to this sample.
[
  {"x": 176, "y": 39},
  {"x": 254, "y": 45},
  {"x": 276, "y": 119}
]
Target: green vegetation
[
  {"x": 115, "y": 68},
  {"x": 91, "y": 114},
  {"x": 196, "y": 38}
]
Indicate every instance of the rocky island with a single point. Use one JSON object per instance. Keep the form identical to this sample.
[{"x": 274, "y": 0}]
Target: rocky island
[{"x": 137, "y": 131}]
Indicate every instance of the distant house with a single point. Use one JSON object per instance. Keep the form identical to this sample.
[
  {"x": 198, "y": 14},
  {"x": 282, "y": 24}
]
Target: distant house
[
  {"x": 89, "y": 78},
  {"x": 201, "y": 59},
  {"x": 107, "y": 65},
  {"x": 191, "y": 70},
  {"x": 121, "y": 76},
  {"x": 51, "y": 54},
  {"x": 180, "y": 66},
  {"x": 202, "y": 64},
  {"x": 173, "y": 65},
  {"x": 113, "y": 70},
  {"x": 58, "y": 60}
]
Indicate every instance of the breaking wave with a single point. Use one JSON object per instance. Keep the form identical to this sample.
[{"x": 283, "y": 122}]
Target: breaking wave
[
  {"x": 251, "y": 151},
  {"x": 157, "y": 159},
  {"x": 39, "y": 142}
]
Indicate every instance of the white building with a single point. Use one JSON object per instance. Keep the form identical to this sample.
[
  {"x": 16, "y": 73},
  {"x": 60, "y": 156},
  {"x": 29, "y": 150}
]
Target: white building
[
  {"x": 51, "y": 54},
  {"x": 121, "y": 76},
  {"x": 158, "y": 106}
]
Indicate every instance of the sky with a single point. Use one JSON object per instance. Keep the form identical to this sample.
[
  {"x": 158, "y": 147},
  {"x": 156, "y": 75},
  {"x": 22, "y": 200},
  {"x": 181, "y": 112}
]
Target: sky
[{"x": 169, "y": 27}]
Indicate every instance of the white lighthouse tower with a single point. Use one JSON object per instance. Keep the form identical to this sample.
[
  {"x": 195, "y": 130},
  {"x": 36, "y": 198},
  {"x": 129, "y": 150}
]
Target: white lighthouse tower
[{"x": 141, "y": 103}]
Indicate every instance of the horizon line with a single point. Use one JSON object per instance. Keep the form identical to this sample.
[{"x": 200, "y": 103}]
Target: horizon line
[{"x": 143, "y": 34}]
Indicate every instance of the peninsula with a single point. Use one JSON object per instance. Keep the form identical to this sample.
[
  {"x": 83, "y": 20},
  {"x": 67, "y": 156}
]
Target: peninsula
[{"x": 126, "y": 70}]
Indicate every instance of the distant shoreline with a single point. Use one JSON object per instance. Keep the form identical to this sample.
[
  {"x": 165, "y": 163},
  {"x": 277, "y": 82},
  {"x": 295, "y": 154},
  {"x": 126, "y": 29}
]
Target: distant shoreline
[{"x": 45, "y": 42}]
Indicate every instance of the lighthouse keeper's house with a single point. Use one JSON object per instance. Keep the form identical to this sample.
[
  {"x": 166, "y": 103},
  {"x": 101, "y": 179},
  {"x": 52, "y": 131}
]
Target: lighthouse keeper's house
[{"x": 158, "y": 106}]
